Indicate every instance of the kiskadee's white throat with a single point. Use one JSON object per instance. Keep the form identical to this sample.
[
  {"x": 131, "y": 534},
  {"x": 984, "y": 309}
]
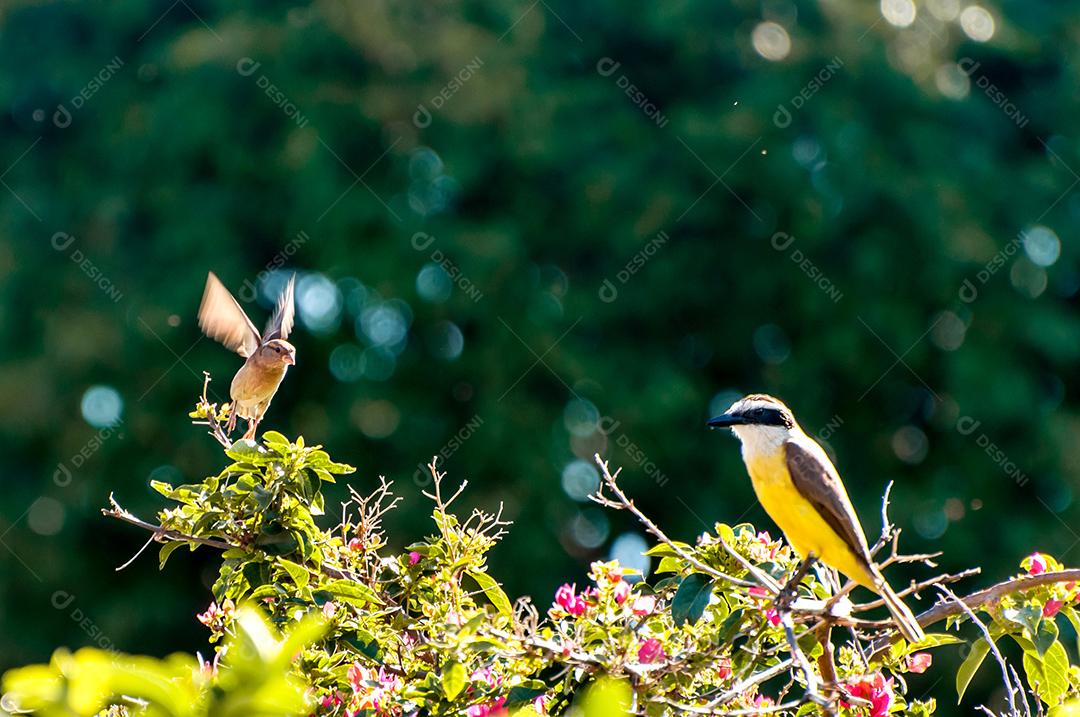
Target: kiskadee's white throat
[{"x": 799, "y": 488}]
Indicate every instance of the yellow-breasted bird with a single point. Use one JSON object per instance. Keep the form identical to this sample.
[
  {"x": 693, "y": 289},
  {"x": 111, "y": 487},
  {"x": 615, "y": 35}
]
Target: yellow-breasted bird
[
  {"x": 268, "y": 355},
  {"x": 799, "y": 488}
]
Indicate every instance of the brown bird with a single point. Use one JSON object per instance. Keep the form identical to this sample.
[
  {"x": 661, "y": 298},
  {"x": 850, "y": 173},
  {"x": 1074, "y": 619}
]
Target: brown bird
[{"x": 268, "y": 356}]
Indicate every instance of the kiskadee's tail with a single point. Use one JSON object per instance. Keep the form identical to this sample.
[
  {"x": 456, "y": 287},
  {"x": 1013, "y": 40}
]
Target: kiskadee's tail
[{"x": 902, "y": 616}]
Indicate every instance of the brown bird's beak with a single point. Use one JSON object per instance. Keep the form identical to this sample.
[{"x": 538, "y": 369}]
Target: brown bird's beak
[{"x": 290, "y": 359}]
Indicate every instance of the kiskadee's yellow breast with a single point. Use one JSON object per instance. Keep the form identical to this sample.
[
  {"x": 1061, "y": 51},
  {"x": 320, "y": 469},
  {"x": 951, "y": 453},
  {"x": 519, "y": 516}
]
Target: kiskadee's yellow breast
[{"x": 802, "y": 525}]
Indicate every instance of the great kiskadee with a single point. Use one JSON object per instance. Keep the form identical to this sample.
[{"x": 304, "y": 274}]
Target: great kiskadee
[{"x": 801, "y": 491}]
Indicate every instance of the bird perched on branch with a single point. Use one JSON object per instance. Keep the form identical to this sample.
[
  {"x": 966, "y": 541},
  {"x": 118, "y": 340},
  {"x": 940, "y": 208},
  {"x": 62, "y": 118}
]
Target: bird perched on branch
[
  {"x": 799, "y": 488},
  {"x": 268, "y": 355}
]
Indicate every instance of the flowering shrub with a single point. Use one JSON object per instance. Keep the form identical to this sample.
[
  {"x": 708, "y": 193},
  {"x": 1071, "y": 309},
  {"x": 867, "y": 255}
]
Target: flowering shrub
[{"x": 354, "y": 629}]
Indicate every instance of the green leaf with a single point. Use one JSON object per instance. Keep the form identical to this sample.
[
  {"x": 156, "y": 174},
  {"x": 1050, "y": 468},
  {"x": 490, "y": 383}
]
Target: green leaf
[
  {"x": 1046, "y": 636},
  {"x": 665, "y": 550},
  {"x": 297, "y": 572},
  {"x": 523, "y": 694},
  {"x": 165, "y": 552},
  {"x": 1026, "y": 616},
  {"x": 691, "y": 599},
  {"x": 493, "y": 592},
  {"x": 979, "y": 649},
  {"x": 352, "y": 592},
  {"x": 669, "y": 564},
  {"x": 248, "y": 451},
  {"x": 729, "y": 627},
  {"x": 452, "y": 679},
  {"x": 1048, "y": 676},
  {"x": 275, "y": 437}
]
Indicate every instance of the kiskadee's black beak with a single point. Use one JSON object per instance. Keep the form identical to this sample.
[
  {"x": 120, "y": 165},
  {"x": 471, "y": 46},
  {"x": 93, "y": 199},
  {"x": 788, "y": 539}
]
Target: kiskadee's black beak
[{"x": 727, "y": 421}]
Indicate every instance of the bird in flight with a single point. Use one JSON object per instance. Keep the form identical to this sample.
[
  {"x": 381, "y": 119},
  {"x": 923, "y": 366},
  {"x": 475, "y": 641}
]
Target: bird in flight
[
  {"x": 268, "y": 354},
  {"x": 799, "y": 488}
]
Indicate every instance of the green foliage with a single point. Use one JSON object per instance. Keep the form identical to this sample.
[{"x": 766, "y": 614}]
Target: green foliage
[
  {"x": 368, "y": 631},
  {"x": 252, "y": 678}
]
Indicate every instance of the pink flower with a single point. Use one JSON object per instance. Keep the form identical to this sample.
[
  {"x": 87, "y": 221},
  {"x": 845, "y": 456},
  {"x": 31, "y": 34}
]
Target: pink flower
[
  {"x": 487, "y": 676},
  {"x": 723, "y": 669},
  {"x": 762, "y": 702},
  {"x": 569, "y": 600},
  {"x": 876, "y": 690},
  {"x": 494, "y": 708},
  {"x": 214, "y": 614},
  {"x": 622, "y": 591},
  {"x": 1036, "y": 564},
  {"x": 772, "y": 616},
  {"x": 356, "y": 544},
  {"x": 540, "y": 704},
  {"x": 758, "y": 591},
  {"x": 651, "y": 651},
  {"x": 919, "y": 662},
  {"x": 414, "y": 558},
  {"x": 1052, "y": 606},
  {"x": 644, "y": 605},
  {"x": 329, "y": 609}
]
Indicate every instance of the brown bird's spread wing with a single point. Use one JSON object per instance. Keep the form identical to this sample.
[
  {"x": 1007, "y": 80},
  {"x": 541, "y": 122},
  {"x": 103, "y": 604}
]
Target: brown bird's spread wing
[
  {"x": 221, "y": 318},
  {"x": 281, "y": 321},
  {"x": 819, "y": 484}
]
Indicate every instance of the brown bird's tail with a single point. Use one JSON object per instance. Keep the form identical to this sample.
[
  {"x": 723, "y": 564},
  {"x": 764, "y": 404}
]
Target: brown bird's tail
[{"x": 901, "y": 614}]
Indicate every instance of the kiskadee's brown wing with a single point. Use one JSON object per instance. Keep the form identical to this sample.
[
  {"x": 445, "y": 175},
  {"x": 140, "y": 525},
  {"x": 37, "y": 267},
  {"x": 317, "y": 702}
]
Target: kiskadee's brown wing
[
  {"x": 222, "y": 319},
  {"x": 817, "y": 481},
  {"x": 281, "y": 321}
]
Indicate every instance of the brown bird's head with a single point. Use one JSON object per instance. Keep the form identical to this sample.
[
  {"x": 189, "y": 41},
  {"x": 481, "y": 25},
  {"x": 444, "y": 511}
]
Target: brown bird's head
[{"x": 277, "y": 351}]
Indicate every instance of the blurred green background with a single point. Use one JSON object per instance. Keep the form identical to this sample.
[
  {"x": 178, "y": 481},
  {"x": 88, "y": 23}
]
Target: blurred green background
[{"x": 525, "y": 233}]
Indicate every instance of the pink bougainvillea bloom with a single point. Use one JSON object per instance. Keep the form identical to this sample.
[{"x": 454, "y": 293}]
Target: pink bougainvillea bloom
[
  {"x": 329, "y": 609},
  {"x": 493, "y": 708},
  {"x": 919, "y": 662},
  {"x": 356, "y": 544},
  {"x": 1037, "y": 564},
  {"x": 772, "y": 616},
  {"x": 761, "y": 701},
  {"x": 758, "y": 591},
  {"x": 569, "y": 600},
  {"x": 876, "y": 690},
  {"x": 208, "y": 617},
  {"x": 1052, "y": 607},
  {"x": 414, "y": 558},
  {"x": 540, "y": 704},
  {"x": 622, "y": 591},
  {"x": 644, "y": 605},
  {"x": 487, "y": 676},
  {"x": 651, "y": 651},
  {"x": 723, "y": 669}
]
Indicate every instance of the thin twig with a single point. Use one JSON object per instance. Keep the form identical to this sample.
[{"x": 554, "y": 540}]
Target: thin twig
[{"x": 624, "y": 503}]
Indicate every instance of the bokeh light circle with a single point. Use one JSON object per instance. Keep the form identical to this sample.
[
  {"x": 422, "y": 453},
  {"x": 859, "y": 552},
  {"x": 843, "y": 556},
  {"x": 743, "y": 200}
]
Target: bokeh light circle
[
  {"x": 771, "y": 41},
  {"x": 101, "y": 406}
]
